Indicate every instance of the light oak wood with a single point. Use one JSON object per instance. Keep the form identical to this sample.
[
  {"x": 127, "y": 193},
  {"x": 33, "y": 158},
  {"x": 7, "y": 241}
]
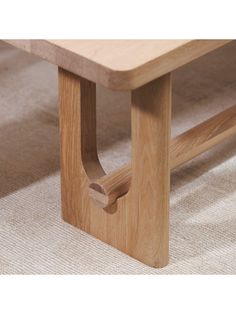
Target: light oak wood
[
  {"x": 203, "y": 137},
  {"x": 148, "y": 199},
  {"x": 137, "y": 223},
  {"x": 119, "y": 64},
  {"x": 129, "y": 208},
  {"x": 107, "y": 189},
  {"x": 78, "y": 142}
]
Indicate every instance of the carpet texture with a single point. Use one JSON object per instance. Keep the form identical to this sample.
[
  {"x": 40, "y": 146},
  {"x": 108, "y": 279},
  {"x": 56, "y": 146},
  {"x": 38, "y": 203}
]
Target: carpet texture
[{"x": 33, "y": 237}]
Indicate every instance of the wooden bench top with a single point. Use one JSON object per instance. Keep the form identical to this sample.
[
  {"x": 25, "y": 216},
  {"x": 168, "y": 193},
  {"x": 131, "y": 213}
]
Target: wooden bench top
[{"x": 119, "y": 64}]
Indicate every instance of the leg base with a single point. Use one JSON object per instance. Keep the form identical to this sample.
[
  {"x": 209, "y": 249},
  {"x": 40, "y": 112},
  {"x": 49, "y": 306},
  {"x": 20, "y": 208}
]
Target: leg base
[{"x": 137, "y": 223}]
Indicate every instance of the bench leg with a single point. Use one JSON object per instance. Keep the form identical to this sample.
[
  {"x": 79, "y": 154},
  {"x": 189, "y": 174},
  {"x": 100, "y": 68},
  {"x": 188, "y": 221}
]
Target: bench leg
[
  {"x": 137, "y": 223},
  {"x": 150, "y": 184}
]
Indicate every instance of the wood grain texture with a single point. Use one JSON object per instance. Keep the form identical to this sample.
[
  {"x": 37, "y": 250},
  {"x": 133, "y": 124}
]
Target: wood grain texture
[
  {"x": 148, "y": 198},
  {"x": 183, "y": 148},
  {"x": 78, "y": 142},
  {"x": 119, "y": 64},
  {"x": 138, "y": 223}
]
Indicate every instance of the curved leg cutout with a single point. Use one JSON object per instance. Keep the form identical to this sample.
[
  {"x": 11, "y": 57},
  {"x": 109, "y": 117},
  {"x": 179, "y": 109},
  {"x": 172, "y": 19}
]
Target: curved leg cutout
[{"x": 137, "y": 223}]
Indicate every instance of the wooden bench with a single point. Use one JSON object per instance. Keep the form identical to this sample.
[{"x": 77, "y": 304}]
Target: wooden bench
[{"x": 128, "y": 208}]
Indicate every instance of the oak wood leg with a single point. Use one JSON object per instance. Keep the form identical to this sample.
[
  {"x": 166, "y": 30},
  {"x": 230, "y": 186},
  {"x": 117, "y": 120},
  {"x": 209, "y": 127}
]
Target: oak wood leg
[
  {"x": 150, "y": 184},
  {"x": 137, "y": 223},
  {"x": 77, "y": 110}
]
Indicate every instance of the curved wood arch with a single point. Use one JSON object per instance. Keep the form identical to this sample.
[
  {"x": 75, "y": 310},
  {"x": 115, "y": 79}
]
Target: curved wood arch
[{"x": 137, "y": 223}]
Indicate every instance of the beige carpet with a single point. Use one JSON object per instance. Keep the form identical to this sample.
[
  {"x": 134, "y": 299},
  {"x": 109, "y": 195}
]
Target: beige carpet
[{"x": 34, "y": 239}]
